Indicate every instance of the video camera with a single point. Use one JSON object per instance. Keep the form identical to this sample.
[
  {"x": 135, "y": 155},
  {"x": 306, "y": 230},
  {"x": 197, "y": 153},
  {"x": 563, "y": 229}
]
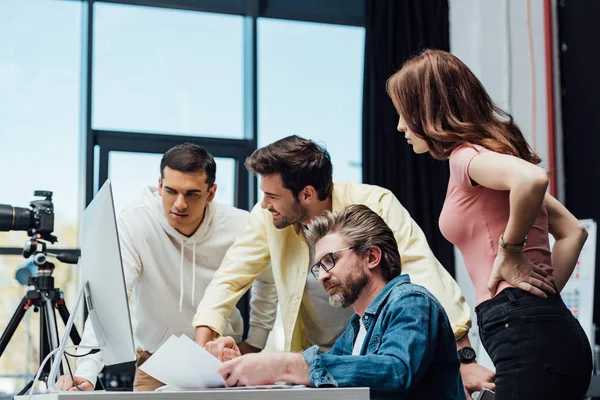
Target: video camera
[{"x": 37, "y": 221}]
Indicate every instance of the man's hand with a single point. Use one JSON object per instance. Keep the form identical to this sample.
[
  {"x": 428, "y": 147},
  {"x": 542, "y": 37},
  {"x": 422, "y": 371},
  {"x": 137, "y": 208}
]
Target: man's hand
[
  {"x": 475, "y": 377},
  {"x": 204, "y": 335},
  {"x": 516, "y": 269},
  {"x": 265, "y": 369},
  {"x": 223, "y": 348},
  {"x": 66, "y": 383},
  {"x": 246, "y": 348}
]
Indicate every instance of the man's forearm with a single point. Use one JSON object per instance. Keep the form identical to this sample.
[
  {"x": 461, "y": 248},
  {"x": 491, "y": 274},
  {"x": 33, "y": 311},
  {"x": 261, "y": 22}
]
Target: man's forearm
[
  {"x": 204, "y": 335},
  {"x": 463, "y": 342},
  {"x": 263, "y": 309},
  {"x": 296, "y": 370},
  {"x": 474, "y": 376}
]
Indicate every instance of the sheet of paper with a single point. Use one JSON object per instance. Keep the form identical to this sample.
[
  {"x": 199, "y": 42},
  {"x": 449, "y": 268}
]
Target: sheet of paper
[
  {"x": 183, "y": 364},
  {"x": 168, "y": 388}
]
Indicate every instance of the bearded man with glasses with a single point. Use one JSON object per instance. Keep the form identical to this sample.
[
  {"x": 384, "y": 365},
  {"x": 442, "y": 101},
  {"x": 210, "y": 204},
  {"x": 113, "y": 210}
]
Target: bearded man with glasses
[{"x": 398, "y": 342}]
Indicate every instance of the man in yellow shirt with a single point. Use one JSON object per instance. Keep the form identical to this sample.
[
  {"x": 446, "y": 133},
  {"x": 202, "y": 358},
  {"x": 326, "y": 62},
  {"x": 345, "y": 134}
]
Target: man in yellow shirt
[{"x": 296, "y": 178}]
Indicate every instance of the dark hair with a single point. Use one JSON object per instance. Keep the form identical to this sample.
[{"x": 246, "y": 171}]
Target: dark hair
[
  {"x": 363, "y": 229},
  {"x": 300, "y": 162},
  {"x": 190, "y": 158},
  {"x": 441, "y": 101}
]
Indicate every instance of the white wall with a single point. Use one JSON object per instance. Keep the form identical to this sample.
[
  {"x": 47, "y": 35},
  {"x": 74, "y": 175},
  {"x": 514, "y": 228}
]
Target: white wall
[
  {"x": 491, "y": 37},
  {"x": 506, "y": 50}
]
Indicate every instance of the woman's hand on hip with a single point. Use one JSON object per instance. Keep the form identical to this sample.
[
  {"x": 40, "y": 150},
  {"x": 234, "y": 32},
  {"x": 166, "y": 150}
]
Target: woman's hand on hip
[{"x": 516, "y": 269}]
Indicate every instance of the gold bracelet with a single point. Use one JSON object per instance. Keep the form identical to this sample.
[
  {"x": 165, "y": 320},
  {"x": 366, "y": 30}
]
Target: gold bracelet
[{"x": 512, "y": 247}]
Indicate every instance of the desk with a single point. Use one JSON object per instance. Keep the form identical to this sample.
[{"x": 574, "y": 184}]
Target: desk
[{"x": 217, "y": 394}]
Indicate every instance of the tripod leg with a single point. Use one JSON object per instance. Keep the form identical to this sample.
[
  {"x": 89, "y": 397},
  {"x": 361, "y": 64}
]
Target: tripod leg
[
  {"x": 26, "y": 388},
  {"x": 51, "y": 320},
  {"x": 44, "y": 344},
  {"x": 64, "y": 314},
  {"x": 48, "y": 335},
  {"x": 12, "y": 325}
]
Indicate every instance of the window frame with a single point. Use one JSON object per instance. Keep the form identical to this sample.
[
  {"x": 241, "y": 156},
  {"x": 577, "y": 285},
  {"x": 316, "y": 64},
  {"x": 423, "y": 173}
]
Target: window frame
[{"x": 96, "y": 144}]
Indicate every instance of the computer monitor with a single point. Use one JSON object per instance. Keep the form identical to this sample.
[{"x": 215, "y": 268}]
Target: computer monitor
[
  {"x": 104, "y": 282},
  {"x": 102, "y": 273}
]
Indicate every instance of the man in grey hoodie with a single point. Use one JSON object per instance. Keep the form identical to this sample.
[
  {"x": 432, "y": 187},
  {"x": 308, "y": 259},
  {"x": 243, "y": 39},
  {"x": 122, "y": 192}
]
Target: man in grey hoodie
[{"x": 172, "y": 242}]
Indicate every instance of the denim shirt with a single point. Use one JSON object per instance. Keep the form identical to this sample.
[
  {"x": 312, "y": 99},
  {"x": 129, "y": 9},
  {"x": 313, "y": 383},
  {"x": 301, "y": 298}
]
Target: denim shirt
[{"x": 409, "y": 351}]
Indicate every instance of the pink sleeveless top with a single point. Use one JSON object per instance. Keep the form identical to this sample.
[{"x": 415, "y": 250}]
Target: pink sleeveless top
[{"x": 474, "y": 217}]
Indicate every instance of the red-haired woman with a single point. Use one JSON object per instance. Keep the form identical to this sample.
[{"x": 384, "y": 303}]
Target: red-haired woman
[{"x": 498, "y": 214}]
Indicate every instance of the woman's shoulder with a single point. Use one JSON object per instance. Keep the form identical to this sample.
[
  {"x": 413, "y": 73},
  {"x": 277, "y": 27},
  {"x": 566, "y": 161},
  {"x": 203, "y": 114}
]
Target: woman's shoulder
[
  {"x": 467, "y": 150},
  {"x": 462, "y": 155}
]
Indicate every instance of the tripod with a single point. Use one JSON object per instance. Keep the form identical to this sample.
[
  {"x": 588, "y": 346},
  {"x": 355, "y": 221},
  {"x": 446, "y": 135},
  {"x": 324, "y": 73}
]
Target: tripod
[{"x": 42, "y": 297}]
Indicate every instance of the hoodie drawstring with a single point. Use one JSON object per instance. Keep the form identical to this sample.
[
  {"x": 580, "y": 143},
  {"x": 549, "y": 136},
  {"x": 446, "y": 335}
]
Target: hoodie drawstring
[
  {"x": 181, "y": 277},
  {"x": 193, "y": 273}
]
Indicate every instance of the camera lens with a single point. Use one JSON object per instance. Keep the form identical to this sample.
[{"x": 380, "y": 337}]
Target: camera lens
[{"x": 15, "y": 218}]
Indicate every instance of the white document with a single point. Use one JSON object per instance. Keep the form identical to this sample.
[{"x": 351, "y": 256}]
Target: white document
[
  {"x": 181, "y": 363},
  {"x": 168, "y": 388}
]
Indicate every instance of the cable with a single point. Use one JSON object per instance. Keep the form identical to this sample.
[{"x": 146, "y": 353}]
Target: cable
[
  {"x": 93, "y": 351},
  {"x": 43, "y": 364},
  {"x": 102, "y": 383},
  {"x": 71, "y": 373},
  {"x": 37, "y": 375}
]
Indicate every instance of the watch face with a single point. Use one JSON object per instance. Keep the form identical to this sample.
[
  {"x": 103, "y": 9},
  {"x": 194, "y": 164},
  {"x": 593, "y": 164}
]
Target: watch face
[{"x": 467, "y": 353}]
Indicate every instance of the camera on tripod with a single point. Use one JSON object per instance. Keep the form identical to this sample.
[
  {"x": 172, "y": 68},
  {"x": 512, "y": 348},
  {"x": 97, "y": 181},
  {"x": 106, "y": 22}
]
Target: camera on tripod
[
  {"x": 39, "y": 224},
  {"x": 43, "y": 295},
  {"x": 38, "y": 220}
]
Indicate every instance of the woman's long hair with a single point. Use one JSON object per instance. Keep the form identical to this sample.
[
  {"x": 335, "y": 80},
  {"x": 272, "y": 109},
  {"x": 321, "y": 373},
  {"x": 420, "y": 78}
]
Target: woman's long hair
[{"x": 442, "y": 101}]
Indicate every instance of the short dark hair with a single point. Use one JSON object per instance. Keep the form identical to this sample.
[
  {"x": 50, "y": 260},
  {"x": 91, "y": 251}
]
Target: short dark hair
[
  {"x": 363, "y": 229},
  {"x": 300, "y": 162},
  {"x": 190, "y": 158}
]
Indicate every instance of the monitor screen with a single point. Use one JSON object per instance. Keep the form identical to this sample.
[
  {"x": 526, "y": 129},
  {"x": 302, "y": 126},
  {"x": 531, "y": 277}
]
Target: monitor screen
[{"x": 102, "y": 273}]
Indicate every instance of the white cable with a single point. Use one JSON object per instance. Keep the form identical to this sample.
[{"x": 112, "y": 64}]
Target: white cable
[
  {"x": 54, "y": 370},
  {"x": 37, "y": 376}
]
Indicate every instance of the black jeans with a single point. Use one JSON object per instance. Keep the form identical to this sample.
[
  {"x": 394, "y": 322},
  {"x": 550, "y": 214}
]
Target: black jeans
[{"x": 538, "y": 348}]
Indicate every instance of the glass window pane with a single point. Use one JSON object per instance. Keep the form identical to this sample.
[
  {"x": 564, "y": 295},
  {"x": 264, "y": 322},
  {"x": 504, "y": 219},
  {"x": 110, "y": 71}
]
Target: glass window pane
[
  {"x": 225, "y": 181},
  {"x": 310, "y": 84},
  {"x": 40, "y": 63},
  {"x": 310, "y": 79},
  {"x": 167, "y": 71},
  {"x": 21, "y": 356},
  {"x": 130, "y": 173}
]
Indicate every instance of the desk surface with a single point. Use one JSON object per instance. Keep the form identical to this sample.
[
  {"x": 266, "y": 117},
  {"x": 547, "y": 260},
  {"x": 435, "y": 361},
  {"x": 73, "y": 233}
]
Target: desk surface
[{"x": 217, "y": 394}]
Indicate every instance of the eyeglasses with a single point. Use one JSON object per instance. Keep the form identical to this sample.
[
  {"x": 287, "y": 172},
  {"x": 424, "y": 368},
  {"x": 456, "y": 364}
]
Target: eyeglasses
[{"x": 327, "y": 262}]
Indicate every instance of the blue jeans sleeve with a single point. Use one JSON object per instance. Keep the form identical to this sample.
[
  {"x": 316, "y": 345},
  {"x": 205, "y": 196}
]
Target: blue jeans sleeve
[{"x": 318, "y": 376}]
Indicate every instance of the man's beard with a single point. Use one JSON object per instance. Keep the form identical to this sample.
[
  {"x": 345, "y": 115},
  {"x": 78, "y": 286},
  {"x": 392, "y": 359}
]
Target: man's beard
[
  {"x": 296, "y": 215},
  {"x": 347, "y": 292}
]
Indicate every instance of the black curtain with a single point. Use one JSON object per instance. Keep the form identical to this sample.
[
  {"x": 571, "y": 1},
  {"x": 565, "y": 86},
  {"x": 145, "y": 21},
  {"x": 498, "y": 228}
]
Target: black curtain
[
  {"x": 395, "y": 31},
  {"x": 580, "y": 84}
]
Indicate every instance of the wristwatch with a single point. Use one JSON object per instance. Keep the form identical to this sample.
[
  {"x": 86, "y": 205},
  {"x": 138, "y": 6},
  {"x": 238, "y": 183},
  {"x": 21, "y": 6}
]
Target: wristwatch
[
  {"x": 466, "y": 354},
  {"x": 512, "y": 247}
]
